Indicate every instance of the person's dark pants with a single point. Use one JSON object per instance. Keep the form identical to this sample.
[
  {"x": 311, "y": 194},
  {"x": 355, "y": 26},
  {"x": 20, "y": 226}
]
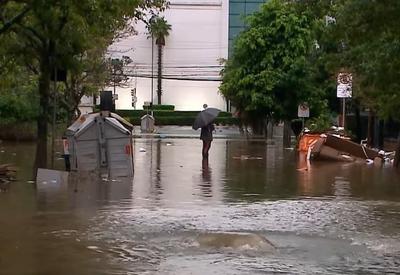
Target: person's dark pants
[
  {"x": 67, "y": 163},
  {"x": 206, "y": 148}
]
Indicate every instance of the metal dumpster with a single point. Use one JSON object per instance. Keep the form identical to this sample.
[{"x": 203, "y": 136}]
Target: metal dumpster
[
  {"x": 147, "y": 124},
  {"x": 101, "y": 142}
]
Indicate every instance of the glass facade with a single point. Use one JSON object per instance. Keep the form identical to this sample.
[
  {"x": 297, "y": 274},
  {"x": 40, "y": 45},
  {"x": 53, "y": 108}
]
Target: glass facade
[{"x": 238, "y": 10}]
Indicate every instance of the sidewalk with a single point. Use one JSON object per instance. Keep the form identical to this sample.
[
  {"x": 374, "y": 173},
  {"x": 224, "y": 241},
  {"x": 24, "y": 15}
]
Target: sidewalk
[{"x": 223, "y": 132}]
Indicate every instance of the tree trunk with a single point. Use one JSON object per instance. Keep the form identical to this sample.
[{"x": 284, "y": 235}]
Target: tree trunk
[
  {"x": 378, "y": 133},
  {"x": 42, "y": 129},
  {"x": 358, "y": 124},
  {"x": 287, "y": 134},
  {"x": 257, "y": 125},
  {"x": 370, "y": 134},
  {"x": 396, "y": 162},
  {"x": 159, "y": 74},
  {"x": 270, "y": 129}
]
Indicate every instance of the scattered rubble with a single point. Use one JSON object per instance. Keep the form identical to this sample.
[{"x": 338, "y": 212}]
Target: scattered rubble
[{"x": 7, "y": 174}]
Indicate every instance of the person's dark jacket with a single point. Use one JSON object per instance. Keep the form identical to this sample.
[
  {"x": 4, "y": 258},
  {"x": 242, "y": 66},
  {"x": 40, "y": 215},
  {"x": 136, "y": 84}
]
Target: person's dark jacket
[{"x": 207, "y": 132}]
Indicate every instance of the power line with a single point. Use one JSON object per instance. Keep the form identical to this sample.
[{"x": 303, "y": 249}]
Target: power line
[{"x": 177, "y": 77}]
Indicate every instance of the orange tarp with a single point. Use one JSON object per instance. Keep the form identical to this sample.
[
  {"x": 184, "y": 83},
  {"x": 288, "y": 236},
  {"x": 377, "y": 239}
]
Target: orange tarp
[{"x": 307, "y": 140}]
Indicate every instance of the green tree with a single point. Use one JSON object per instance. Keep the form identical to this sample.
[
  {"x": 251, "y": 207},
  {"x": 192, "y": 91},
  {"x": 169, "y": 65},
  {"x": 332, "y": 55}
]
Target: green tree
[
  {"x": 159, "y": 29},
  {"x": 269, "y": 73},
  {"x": 117, "y": 72},
  {"x": 87, "y": 77},
  {"x": 19, "y": 102},
  {"x": 55, "y": 33},
  {"x": 370, "y": 49},
  {"x": 12, "y": 12}
]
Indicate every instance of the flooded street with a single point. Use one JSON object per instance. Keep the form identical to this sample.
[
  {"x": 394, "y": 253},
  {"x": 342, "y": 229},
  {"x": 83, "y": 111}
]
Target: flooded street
[{"x": 326, "y": 218}]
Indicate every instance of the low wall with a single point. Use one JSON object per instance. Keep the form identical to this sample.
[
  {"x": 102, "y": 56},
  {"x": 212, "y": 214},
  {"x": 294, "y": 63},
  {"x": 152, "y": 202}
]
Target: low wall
[{"x": 18, "y": 131}]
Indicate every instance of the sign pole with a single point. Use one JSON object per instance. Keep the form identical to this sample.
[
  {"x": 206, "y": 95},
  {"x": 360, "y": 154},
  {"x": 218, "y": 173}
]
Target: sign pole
[
  {"x": 344, "y": 90},
  {"x": 344, "y": 112},
  {"x": 303, "y": 111}
]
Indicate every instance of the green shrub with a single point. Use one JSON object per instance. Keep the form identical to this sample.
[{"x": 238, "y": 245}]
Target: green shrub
[
  {"x": 320, "y": 123},
  {"x": 18, "y": 107},
  {"x": 183, "y": 121},
  {"x": 165, "y": 113},
  {"x": 227, "y": 121},
  {"x": 168, "y": 117},
  {"x": 131, "y": 113},
  {"x": 160, "y": 107}
]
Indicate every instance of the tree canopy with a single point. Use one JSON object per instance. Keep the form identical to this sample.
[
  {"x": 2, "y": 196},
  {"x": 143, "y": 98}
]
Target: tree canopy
[
  {"x": 370, "y": 48},
  {"x": 270, "y": 73},
  {"x": 63, "y": 34}
]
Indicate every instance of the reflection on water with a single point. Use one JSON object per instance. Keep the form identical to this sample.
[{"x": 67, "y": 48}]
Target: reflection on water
[
  {"x": 206, "y": 185},
  {"x": 324, "y": 218}
]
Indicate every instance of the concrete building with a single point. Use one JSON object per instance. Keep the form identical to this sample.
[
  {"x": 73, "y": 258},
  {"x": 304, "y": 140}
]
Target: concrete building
[
  {"x": 197, "y": 42},
  {"x": 202, "y": 35}
]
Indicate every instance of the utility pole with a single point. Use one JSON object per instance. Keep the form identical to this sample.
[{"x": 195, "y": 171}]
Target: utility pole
[
  {"x": 152, "y": 67},
  {"x": 152, "y": 57}
]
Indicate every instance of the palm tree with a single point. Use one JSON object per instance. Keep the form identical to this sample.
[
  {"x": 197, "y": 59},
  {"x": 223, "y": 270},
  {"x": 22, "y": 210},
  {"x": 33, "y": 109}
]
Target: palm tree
[{"x": 159, "y": 29}]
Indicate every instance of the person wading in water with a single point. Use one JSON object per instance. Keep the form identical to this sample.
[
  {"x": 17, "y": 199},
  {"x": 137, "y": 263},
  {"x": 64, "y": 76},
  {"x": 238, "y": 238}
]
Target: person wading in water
[{"x": 206, "y": 136}]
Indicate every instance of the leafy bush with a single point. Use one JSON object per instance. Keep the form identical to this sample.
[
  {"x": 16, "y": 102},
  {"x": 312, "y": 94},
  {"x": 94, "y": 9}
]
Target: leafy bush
[
  {"x": 160, "y": 107},
  {"x": 320, "y": 123},
  {"x": 163, "y": 113},
  {"x": 130, "y": 113},
  {"x": 182, "y": 120},
  {"x": 18, "y": 107}
]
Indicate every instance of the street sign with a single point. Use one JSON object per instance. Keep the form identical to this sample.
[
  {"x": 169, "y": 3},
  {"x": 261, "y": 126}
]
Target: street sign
[
  {"x": 345, "y": 85},
  {"x": 344, "y": 90},
  {"x": 303, "y": 110}
]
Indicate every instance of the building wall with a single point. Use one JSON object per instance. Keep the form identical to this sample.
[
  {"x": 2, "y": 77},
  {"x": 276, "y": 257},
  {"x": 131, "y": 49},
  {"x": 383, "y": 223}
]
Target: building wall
[
  {"x": 86, "y": 105},
  {"x": 197, "y": 41}
]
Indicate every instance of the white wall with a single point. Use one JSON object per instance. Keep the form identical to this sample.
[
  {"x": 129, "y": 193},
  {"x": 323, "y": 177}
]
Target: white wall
[{"x": 197, "y": 41}]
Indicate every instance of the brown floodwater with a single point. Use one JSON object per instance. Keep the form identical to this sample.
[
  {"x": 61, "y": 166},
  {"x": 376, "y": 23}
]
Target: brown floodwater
[{"x": 323, "y": 218}]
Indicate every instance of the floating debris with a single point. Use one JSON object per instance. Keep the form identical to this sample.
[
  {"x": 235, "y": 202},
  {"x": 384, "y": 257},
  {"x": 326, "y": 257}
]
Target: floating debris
[
  {"x": 7, "y": 172},
  {"x": 247, "y": 157},
  {"x": 335, "y": 147}
]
